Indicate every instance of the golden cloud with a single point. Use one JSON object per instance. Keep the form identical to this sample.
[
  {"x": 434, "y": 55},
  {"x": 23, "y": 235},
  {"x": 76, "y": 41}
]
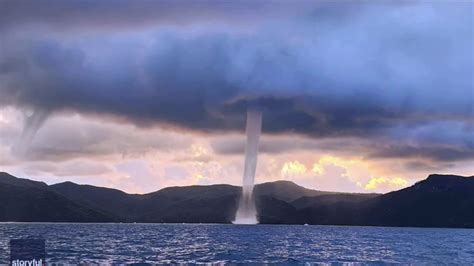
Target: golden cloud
[
  {"x": 293, "y": 168},
  {"x": 385, "y": 182}
]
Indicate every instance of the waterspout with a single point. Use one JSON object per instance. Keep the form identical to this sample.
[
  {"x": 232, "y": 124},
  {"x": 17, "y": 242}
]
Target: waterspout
[{"x": 247, "y": 213}]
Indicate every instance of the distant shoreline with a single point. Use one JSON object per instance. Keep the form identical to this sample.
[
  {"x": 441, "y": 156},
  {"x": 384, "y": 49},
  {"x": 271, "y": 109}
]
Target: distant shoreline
[
  {"x": 440, "y": 201},
  {"x": 239, "y": 225}
]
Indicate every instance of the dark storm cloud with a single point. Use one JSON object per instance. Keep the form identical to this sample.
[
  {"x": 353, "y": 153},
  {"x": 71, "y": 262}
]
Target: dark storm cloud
[
  {"x": 270, "y": 145},
  {"x": 107, "y": 14},
  {"x": 422, "y": 145},
  {"x": 434, "y": 153},
  {"x": 333, "y": 70}
]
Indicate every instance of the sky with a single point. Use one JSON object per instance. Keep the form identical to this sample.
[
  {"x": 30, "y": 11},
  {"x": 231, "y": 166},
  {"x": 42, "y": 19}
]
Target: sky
[{"x": 357, "y": 96}]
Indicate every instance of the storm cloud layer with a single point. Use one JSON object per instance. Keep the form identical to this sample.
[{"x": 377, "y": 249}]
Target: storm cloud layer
[{"x": 398, "y": 72}]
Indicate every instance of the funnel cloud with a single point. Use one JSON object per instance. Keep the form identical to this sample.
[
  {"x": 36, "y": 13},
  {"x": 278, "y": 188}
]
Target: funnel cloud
[{"x": 32, "y": 123}]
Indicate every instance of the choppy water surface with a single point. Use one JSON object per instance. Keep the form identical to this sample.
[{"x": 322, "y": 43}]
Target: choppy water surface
[{"x": 286, "y": 244}]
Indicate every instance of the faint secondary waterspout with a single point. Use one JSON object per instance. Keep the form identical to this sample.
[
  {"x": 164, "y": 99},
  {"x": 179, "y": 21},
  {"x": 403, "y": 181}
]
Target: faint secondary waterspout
[
  {"x": 32, "y": 123},
  {"x": 247, "y": 213}
]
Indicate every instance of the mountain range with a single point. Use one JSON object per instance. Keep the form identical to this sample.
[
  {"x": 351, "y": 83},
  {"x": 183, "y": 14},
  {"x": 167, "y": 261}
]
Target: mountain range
[{"x": 438, "y": 201}]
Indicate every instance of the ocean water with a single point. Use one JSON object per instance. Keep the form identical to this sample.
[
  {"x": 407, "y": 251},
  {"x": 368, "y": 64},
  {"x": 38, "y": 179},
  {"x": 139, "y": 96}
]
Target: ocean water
[{"x": 211, "y": 243}]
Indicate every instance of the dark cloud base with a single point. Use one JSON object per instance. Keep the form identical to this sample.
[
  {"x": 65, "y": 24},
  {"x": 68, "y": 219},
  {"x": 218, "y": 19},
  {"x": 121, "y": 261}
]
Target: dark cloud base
[{"x": 367, "y": 71}]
